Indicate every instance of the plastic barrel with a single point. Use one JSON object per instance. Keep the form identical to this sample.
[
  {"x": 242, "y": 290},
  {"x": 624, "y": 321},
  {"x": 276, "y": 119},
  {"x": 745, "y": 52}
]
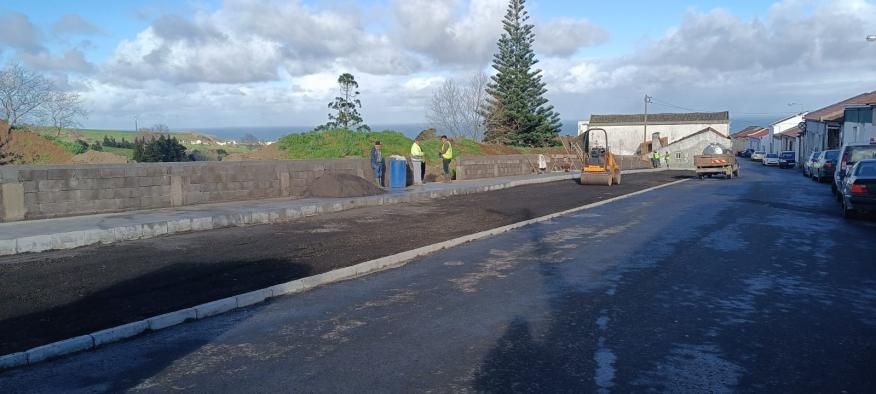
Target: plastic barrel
[{"x": 397, "y": 173}]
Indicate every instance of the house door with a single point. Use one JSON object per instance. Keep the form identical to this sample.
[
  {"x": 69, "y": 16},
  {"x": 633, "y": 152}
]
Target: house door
[{"x": 833, "y": 137}]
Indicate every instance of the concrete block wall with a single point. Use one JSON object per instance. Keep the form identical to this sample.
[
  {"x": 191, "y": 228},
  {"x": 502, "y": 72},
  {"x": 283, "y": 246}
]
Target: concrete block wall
[
  {"x": 478, "y": 167},
  {"x": 39, "y": 192}
]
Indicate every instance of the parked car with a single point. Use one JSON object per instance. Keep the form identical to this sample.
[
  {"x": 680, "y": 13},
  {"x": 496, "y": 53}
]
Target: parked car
[
  {"x": 809, "y": 164},
  {"x": 758, "y": 155},
  {"x": 771, "y": 159},
  {"x": 824, "y": 165},
  {"x": 858, "y": 190},
  {"x": 747, "y": 153},
  {"x": 848, "y": 156},
  {"x": 788, "y": 159}
]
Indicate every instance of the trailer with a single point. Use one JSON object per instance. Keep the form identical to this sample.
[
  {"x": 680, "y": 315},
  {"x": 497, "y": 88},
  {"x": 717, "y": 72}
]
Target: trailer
[{"x": 716, "y": 164}]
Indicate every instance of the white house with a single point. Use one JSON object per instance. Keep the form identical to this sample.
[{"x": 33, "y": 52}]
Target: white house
[
  {"x": 758, "y": 140},
  {"x": 627, "y": 135},
  {"x": 824, "y": 129},
  {"x": 583, "y": 125},
  {"x": 858, "y": 125},
  {"x": 780, "y": 127},
  {"x": 740, "y": 139},
  {"x": 682, "y": 151}
]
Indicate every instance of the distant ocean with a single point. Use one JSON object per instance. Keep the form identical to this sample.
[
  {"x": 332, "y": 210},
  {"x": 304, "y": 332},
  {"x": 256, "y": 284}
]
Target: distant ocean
[{"x": 570, "y": 127}]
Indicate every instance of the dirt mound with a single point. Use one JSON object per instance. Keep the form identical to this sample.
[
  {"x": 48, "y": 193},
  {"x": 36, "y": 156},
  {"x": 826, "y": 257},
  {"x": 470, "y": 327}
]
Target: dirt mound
[
  {"x": 24, "y": 147},
  {"x": 270, "y": 152},
  {"x": 495, "y": 149},
  {"x": 341, "y": 185},
  {"x": 94, "y": 157}
]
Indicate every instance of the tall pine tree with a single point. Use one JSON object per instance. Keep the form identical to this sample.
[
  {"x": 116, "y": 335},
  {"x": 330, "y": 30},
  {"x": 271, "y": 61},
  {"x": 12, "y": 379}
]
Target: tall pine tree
[{"x": 516, "y": 110}]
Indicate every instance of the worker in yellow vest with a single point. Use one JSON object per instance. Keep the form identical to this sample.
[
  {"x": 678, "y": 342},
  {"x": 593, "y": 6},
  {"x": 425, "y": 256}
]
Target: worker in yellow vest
[
  {"x": 446, "y": 156},
  {"x": 418, "y": 162},
  {"x": 656, "y": 159}
]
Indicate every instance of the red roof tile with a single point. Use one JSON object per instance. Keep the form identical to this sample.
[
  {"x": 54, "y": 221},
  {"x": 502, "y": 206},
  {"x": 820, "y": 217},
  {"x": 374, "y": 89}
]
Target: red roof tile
[{"x": 836, "y": 111}]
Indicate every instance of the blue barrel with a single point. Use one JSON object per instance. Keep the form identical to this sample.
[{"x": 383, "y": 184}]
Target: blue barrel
[{"x": 398, "y": 173}]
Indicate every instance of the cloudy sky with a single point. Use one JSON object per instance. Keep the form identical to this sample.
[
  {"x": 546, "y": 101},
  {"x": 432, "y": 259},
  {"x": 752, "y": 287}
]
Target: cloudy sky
[{"x": 231, "y": 63}]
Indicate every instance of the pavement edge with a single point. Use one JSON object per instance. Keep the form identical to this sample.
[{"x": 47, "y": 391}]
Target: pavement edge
[{"x": 119, "y": 333}]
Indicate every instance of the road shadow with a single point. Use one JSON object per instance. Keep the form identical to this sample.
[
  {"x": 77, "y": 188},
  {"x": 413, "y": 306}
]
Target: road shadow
[{"x": 165, "y": 290}]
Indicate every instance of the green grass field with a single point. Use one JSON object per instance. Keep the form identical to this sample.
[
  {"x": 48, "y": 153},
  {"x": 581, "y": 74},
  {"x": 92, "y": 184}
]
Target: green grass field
[{"x": 127, "y": 153}]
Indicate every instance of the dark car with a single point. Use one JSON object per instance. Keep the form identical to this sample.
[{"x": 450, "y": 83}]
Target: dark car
[
  {"x": 747, "y": 153},
  {"x": 788, "y": 159},
  {"x": 824, "y": 165},
  {"x": 858, "y": 190},
  {"x": 848, "y": 156}
]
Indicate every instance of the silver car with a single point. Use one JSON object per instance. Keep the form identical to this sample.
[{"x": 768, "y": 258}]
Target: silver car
[
  {"x": 824, "y": 165},
  {"x": 758, "y": 155},
  {"x": 810, "y": 161}
]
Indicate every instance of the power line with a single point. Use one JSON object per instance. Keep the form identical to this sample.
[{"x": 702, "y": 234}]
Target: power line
[{"x": 670, "y": 105}]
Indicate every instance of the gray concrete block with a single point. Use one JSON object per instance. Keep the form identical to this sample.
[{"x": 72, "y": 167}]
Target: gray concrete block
[
  {"x": 126, "y": 233},
  {"x": 215, "y": 307},
  {"x": 151, "y": 230},
  {"x": 253, "y": 297},
  {"x": 33, "y": 244},
  {"x": 292, "y": 287},
  {"x": 119, "y": 333},
  {"x": 171, "y": 319},
  {"x": 178, "y": 226},
  {"x": 261, "y": 218},
  {"x": 201, "y": 224},
  {"x": 7, "y": 247},
  {"x": 13, "y": 202},
  {"x": 61, "y": 348},
  {"x": 13, "y": 360}
]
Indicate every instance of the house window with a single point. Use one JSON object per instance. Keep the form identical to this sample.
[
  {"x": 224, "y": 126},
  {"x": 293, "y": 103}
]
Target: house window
[{"x": 678, "y": 156}]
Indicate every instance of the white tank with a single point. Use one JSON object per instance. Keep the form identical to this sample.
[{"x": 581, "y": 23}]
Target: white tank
[{"x": 716, "y": 149}]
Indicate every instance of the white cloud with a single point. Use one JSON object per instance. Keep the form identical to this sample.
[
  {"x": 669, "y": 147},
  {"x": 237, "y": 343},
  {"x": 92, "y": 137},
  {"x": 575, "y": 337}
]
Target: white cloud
[
  {"x": 74, "y": 24},
  {"x": 563, "y": 36},
  {"x": 18, "y": 32}
]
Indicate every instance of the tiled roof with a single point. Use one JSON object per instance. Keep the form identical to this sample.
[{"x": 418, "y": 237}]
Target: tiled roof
[
  {"x": 664, "y": 118},
  {"x": 792, "y": 132},
  {"x": 706, "y": 130},
  {"x": 836, "y": 111},
  {"x": 747, "y": 131},
  {"x": 759, "y": 134}
]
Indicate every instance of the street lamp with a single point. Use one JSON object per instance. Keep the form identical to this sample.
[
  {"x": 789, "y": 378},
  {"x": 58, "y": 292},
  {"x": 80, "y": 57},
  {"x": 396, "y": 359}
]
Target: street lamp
[{"x": 871, "y": 38}]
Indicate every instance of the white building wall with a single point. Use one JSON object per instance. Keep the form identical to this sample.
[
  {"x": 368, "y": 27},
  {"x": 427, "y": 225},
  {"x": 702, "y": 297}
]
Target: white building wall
[
  {"x": 859, "y": 133},
  {"x": 625, "y": 139},
  {"x": 775, "y": 144},
  {"x": 681, "y": 153},
  {"x": 582, "y": 126}
]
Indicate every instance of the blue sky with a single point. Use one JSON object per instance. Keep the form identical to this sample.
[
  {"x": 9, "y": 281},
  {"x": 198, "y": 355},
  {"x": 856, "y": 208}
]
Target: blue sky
[{"x": 244, "y": 62}]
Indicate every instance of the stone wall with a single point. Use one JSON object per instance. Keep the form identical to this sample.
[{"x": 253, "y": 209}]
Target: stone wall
[
  {"x": 38, "y": 192},
  {"x": 477, "y": 167}
]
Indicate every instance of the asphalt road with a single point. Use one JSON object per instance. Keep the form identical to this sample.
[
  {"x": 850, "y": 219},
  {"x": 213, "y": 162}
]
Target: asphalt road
[
  {"x": 57, "y": 295},
  {"x": 754, "y": 284}
]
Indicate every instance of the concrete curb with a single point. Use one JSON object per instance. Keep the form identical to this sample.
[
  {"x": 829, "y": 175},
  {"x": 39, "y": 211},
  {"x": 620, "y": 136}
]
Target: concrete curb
[
  {"x": 76, "y": 239},
  {"x": 130, "y": 330}
]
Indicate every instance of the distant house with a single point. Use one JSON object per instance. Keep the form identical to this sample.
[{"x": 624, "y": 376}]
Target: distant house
[
  {"x": 789, "y": 140},
  {"x": 858, "y": 125},
  {"x": 758, "y": 139},
  {"x": 682, "y": 151},
  {"x": 583, "y": 125},
  {"x": 824, "y": 129},
  {"x": 740, "y": 139},
  {"x": 627, "y": 136},
  {"x": 779, "y": 127}
]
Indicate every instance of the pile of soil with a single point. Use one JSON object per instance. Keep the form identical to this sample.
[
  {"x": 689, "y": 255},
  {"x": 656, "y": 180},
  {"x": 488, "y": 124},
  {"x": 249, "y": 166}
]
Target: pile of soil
[
  {"x": 94, "y": 157},
  {"x": 342, "y": 185},
  {"x": 270, "y": 152},
  {"x": 31, "y": 148}
]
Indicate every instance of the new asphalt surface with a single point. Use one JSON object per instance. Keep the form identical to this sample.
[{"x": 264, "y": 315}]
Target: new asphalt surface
[
  {"x": 754, "y": 284},
  {"x": 57, "y": 295}
]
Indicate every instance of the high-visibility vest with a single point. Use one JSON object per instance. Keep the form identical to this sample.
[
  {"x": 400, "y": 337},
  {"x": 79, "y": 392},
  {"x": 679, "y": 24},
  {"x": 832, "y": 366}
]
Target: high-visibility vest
[
  {"x": 657, "y": 155},
  {"x": 448, "y": 154},
  {"x": 416, "y": 152}
]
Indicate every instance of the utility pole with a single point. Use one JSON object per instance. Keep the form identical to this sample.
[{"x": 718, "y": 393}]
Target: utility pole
[{"x": 645, "y": 136}]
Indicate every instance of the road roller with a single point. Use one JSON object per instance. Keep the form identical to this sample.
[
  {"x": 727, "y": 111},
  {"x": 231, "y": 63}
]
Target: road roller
[{"x": 600, "y": 167}]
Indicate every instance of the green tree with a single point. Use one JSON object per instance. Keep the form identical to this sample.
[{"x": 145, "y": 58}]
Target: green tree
[
  {"x": 346, "y": 106},
  {"x": 516, "y": 109},
  {"x": 161, "y": 149}
]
